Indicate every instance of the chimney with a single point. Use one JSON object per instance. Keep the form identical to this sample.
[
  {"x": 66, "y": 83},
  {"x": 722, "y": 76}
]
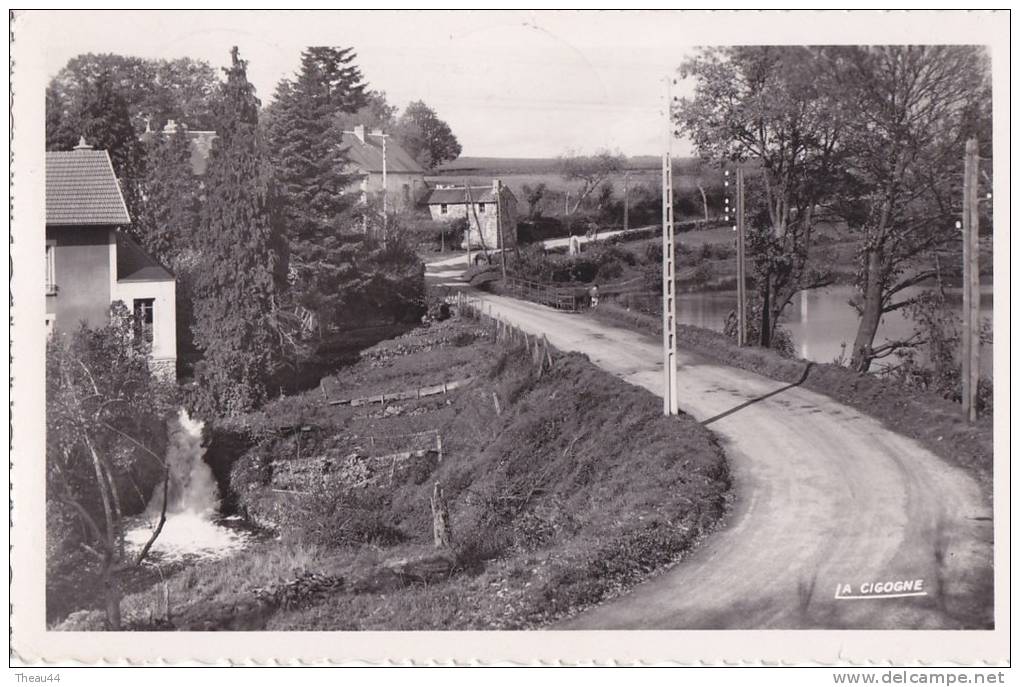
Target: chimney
[
  {"x": 171, "y": 127},
  {"x": 497, "y": 185},
  {"x": 359, "y": 131},
  {"x": 82, "y": 145}
]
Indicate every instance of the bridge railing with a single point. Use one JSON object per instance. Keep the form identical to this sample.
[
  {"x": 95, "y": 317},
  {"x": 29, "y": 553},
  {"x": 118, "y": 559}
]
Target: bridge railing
[{"x": 572, "y": 299}]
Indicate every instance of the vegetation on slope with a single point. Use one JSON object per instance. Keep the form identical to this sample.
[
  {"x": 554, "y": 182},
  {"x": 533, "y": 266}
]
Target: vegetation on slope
[{"x": 563, "y": 488}]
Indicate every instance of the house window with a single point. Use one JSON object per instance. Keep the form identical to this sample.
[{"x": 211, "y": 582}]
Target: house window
[
  {"x": 144, "y": 311},
  {"x": 481, "y": 208},
  {"x": 51, "y": 274},
  {"x": 407, "y": 193},
  {"x": 443, "y": 209}
]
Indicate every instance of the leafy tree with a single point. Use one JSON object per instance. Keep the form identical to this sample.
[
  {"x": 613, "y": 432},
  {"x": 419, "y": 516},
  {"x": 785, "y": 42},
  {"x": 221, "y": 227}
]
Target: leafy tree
[
  {"x": 376, "y": 113},
  {"x": 590, "y": 170},
  {"x": 776, "y": 108},
  {"x": 243, "y": 256},
  {"x": 105, "y": 438},
  {"x": 533, "y": 195},
  {"x": 426, "y": 137},
  {"x": 316, "y": 189},
  {"x": 154, "y": 91},
  {"x": 913, "y": 108}
]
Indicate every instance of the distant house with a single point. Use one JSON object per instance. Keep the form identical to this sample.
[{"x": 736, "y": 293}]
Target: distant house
[
  {"x": 201, "y": 144},
  {"x": 91, "y": 262},
  {"x": 479, "y": 205},
  {"x": 405, "y": 178}
]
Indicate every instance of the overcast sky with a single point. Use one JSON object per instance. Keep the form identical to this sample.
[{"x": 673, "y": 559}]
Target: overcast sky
[{"x": 510, "y": 84}]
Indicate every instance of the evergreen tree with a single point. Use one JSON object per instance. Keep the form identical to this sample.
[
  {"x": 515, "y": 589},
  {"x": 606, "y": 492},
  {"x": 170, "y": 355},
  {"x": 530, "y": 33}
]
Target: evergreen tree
[
  {"x": 240, "y": 247},
  {"x": 309, "y": 165},
  {"x": 169, "y": 214},
  {"x": 168, "y": 224}
]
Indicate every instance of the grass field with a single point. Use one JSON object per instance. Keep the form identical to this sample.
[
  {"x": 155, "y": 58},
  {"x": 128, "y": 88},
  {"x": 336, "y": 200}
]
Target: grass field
[{"x": 643, "y": 176}]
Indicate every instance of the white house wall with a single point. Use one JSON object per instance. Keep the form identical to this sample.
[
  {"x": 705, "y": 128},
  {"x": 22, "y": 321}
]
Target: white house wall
[{"x": 164, "y": 319}]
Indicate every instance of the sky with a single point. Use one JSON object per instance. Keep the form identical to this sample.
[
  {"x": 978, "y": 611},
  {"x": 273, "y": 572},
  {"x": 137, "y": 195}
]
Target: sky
[{"x": 509, "y": 84}]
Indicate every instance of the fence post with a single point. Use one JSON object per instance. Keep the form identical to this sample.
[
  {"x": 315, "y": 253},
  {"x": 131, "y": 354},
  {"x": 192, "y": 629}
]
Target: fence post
[{"x": 440, "y": 518}]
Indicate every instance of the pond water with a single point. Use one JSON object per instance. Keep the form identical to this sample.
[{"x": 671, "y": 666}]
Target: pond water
[{"x": 821, "y": 321}]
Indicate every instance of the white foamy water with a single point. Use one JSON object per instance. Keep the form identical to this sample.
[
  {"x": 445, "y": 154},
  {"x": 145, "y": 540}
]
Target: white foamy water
[
  {"x": 187, "y": 535},
  {"x": 192, "y": 529}
]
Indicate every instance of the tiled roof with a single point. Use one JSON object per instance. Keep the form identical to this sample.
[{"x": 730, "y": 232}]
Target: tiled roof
[
  {"x": 81, "y": 189},
  {"x": 134, "y": 264},
  {"x": 367, "y": 155},
  {"x": 457, "y": 195}
]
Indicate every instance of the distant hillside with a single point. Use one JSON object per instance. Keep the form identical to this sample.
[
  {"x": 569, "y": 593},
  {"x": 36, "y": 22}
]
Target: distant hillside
[{"x": 540, "y": 165}]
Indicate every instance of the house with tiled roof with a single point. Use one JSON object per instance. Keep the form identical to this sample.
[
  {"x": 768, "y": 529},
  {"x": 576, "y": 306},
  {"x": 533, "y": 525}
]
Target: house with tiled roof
[
  {"x": 201, "y": 144},
  {"x": 368, "y": 153},
  {"x": 91, "y": 263},
  {"x": 491, "y": 211}
]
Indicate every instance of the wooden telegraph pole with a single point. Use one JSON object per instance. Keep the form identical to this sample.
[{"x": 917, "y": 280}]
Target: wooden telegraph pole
[
  {"x": 741, "y": 264},
  {"x": 467, "y": 218},
  {"x": 626, "y": 200},
  {"x": 498, "y": 188},
  {"x": 669, "y": 352},
  {"x": 971, "y": 355}
]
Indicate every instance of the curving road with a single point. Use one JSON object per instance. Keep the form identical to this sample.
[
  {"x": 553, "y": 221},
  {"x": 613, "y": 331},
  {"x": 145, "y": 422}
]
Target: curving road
[{"x": 823, "y": 496}]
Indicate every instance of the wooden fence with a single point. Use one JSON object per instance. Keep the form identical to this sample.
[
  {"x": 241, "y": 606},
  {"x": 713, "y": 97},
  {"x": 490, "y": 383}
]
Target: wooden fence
[
  {"x": 506, "y": 333},
  {"x": 572, "y": 299}
]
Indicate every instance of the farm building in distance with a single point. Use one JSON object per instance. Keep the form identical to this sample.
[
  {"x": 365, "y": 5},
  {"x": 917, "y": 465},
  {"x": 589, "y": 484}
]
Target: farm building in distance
[
  {"x": 91, "y": 263},
  {"x": 485, "y": 215},
  {"x": 405, "y": 178}
]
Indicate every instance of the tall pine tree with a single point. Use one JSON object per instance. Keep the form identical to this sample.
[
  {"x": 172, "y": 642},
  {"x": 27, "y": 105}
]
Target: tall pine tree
[
  {"x": 241, "y": 252},
  {"x": 168, "y": 225},
  {"x": 318, "y": 199},
  {"x": 169, "y": 214}
]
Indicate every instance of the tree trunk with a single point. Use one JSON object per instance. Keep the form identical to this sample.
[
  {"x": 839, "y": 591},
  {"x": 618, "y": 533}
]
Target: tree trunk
[
  {"x": 704, "y": 201},
  {"x": 765, "y": 331},
  {"x": 112, "y": 593},
  {"x": 871, "y": 314}
]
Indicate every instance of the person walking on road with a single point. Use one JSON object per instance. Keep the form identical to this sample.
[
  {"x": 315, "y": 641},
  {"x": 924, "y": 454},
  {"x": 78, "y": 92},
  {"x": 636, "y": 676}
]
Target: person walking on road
[{"x": 593, "y": 294}]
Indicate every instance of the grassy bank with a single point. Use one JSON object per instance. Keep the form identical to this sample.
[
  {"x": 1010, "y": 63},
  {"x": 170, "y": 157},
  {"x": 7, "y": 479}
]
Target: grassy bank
[
  {"x": 563, "y": 486},
  {"x": 933, "y": 421}
]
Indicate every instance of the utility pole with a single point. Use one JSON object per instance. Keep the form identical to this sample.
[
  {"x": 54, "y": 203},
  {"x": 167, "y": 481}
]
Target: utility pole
[
  {"x": 467, "y": 218},
  {"x": 497, "y": 186},
  {"x": 669, "y": 349},
  {"x": 971, "y": 355},
  {"x": 626, "y": 200},
  {"x": 741, "y": 265},
  {"x": 385, "y": 188}
]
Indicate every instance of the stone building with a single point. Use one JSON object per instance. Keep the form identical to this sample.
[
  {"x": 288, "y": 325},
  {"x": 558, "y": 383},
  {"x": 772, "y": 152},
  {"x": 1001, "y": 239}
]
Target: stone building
[
  {"x": 488, "y": 208},
  {"x": 405, "y": 178}
]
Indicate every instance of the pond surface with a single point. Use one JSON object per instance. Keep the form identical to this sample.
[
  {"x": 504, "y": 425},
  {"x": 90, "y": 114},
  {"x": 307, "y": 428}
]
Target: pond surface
[{"x": 821, "y": 320}]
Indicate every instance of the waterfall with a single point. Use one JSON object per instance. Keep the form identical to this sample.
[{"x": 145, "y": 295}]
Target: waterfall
[
  {"x": 192, "y": 485},
  {"x": 193, "y": 527}
]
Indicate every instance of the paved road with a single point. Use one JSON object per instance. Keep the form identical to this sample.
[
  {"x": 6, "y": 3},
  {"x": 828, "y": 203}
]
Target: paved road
[
  {"x": 823, "y": 496},
  {"x": 446, "y": 271}
]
